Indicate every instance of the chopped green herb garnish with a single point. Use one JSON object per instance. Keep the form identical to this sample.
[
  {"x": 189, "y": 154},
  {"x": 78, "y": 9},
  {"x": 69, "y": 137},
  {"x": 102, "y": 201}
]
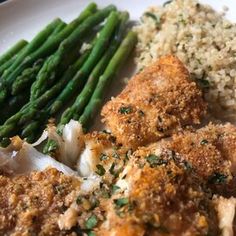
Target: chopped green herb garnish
[
  {"x": 113, "y": 171},
  {"x": 217, "y": 178},
  {"x": 203, "y": 83},
  {"x": 163, "y": 229},
  {"x": 114, "y": 188},
  {"x": 91, "y": 233},
  {"x": 116, "y": 155},
  {"x": 100, "y": 170},
  {"x": 167, "y": 2},
  {"x": 156, "y": 18},
  {"x": 187, "y": 165},
  {"x": 203, "y": 142},
  {"x": 141, "y": 113},
  {"x": 103, "y": 157},
  {"x": 91, "y": 222},
  {"x": 127, "y": 155},
  {"x": 79, "y": 200},
  {"x": 94, "y": 203},
  {"x": 120, "y": 202},
  {"x": 125, "y": 110},
  {"x": 155, "y": 160}
]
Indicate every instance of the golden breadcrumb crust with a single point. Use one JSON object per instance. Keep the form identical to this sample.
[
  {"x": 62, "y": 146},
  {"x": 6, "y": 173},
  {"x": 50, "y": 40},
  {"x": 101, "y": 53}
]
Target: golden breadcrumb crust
[
  {"x": 211, "y": 153},
  {"x": 164, "y": 199},
  {"x": 30, "y": 204},
  {"x": 155, "y": 104}
]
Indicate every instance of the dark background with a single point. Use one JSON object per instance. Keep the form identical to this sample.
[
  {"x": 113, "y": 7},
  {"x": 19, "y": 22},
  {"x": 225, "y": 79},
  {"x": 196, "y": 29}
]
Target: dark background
[{"x": 2, "y": 1}]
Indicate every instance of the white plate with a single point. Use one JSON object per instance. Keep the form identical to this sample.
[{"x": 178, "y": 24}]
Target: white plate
[{"x": 24, "y": 18}]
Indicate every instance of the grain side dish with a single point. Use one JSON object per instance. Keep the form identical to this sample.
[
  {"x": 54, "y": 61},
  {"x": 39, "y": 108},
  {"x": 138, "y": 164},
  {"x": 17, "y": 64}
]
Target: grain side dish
[{"x": 202, "y": 39}]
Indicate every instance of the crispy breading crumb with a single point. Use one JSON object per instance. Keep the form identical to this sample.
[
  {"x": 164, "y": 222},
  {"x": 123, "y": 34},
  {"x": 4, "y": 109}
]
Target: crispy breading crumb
[{"x": 155, "y": 104}]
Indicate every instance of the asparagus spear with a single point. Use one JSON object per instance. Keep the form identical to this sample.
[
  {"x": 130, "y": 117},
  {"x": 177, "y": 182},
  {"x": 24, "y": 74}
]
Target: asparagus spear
[
  {"x": 37, "y": 41},
  {"x": 26, "y": 78},
  {"x": 86, "y": 93},
  {"x": 8, "y": 63},
  {"x": 57, "y": 30},
  {"x": 96, "y": 100},
  {"x": 12, "y": 122},
  {"x": 5, "y": 65},
  {"x": 80, "y": 78},
  {"x": 84, "y": 96},
  {"x": 46, "y": 49},
  {"x": 52, "y": 65},
  {"x": 13, "y": 51},
  {"x": 14, "y": 104}
]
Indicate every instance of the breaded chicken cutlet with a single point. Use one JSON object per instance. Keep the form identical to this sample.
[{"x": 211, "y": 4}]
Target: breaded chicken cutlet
[
  {"x": 31, "y": 204},
  {"x": 155, "y": 104}
]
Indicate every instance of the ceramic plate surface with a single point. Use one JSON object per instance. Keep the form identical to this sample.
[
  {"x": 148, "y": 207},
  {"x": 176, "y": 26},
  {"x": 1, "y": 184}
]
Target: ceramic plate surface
[{"x": 22, "y": 19}]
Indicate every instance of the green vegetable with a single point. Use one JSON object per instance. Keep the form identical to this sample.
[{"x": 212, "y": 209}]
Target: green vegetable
[
  {"x": 7, "y": 64},
  {"x": 203, "y": 142},
  {"x": 125, "y": 110},
  {"x": 27, "y": 77},
  {"x": 120, "y": 57},
  {"x": 81, "y": 101},
  {"x": 120, "y": 202},
  {"x": 115, "y": 188},
  {"x": 154, "y": 160},
  {"x": 13, "y": 105},
  {"x": 100, "y": 170},
  {"x": 14, "y": 50},
  {"x": 103, "y": 157},
  {"x": 51, "y": 66},
  {"x": 217, "y": 178},
  {"x": 91, "y": 222},
  {"x": 43, "y": 100},
  {"x": 167, "y": 3},
  {"x": 46, "y": 49},
  {"x": 153, "y": 16},
  {"x": 80, "y": 78}
]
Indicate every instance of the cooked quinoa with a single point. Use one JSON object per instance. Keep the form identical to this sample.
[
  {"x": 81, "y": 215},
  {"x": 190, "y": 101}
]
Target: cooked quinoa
[{"x": 203, "y": 39}]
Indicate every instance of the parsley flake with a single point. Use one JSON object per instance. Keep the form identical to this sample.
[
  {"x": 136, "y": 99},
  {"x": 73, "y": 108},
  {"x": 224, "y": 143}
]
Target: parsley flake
[
  {"x": 103, "y": 157},
  {"x": 120, "y": 202},
  {"x": 100, "y": 170},
  {"x": 125, "y": 110},
  {"x": 217, "y": 178},
  {"x": 114, "y": 188},
  {"x": 203, "y": 142},
  {"x": 155, "y": 160},
  {"x": 156, "y": 18},
  {"x": 91, "y": 222}
]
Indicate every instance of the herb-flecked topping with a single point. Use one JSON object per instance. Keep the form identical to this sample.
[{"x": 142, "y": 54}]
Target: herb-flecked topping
[
  {"x": 91, "y": 222},
  {"x": 217, "y": 178},
  {"x": 114, "y": 188},
  {"x": 204, "y": 142},
  {"x": 100, "y": 170},
  {"x": 125, "y": 110},
  {"x": 156, "y": 18},
  {"x": 155, "y": 160},
  {"x": 120, "y": 202},
  {"x": 103, "y": 157}
]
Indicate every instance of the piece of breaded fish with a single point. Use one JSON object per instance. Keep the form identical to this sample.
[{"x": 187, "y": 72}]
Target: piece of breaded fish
[
  {"x": 155, "y": 104},
  {"x": 160, "y": 197},
  {"x": 31, "y": 204},
  {"x": 210, "y": 152}
]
